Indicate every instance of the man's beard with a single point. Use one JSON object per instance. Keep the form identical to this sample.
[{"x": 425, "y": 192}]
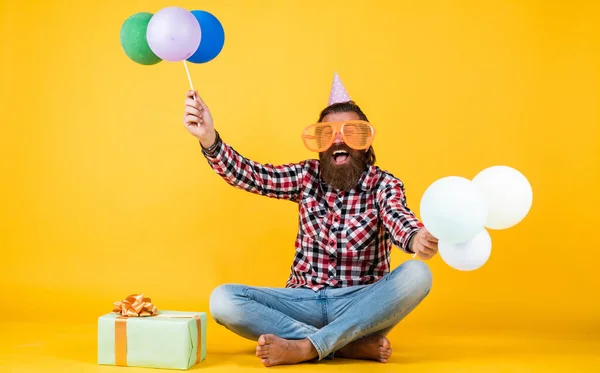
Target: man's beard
[{"x": 345, "y": 176}]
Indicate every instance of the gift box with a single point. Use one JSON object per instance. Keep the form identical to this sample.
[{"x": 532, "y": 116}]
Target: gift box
[{"x": 135, "y": 333}]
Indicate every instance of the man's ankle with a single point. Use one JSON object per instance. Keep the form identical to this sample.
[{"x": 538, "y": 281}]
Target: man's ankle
[{"x": 309, "y": 348}]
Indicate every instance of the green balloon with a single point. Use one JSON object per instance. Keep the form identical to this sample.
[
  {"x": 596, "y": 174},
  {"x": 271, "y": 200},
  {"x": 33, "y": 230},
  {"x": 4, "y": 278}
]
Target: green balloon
[{"x": 133, "y": 39}]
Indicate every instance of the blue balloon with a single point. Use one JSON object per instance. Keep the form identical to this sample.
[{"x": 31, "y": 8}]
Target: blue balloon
[{"x": 213, "y": 37}]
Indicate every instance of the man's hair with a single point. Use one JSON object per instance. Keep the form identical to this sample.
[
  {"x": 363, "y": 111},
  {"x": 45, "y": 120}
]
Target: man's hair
[{"x": 350, "y": 107}]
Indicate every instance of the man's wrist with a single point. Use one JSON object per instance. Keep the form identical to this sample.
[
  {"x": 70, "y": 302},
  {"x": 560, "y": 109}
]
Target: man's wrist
[
  {"x": 209, "y": 141},
  {"x": 209, "y": 147},
  {"x": 411, "y": 242}
]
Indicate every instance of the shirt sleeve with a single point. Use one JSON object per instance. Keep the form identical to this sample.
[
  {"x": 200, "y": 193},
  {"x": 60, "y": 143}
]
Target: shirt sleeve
[
  {"x": 398, "y": 219},
  {"x": 281, "y": 182}
]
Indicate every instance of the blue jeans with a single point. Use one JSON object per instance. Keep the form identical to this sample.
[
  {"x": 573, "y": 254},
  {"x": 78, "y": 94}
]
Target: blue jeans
[{"x": 331, "y": 317}]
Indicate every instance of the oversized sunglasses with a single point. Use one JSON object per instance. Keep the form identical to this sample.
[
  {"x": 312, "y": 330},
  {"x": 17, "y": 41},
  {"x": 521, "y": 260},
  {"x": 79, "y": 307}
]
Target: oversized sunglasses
[{"x": 357, "y": 134}]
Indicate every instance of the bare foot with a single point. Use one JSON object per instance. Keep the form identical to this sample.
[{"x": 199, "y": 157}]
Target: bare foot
[
  {"x": 374, "y": 347},
  {"x": 272, "y": 350}
]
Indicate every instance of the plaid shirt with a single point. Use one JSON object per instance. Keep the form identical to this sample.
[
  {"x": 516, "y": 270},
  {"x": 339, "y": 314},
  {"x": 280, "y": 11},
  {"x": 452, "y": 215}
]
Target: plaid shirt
[{"x": 344, "y": 239}]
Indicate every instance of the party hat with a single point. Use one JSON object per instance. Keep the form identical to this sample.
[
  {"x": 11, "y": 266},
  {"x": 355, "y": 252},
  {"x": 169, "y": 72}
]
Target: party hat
[{"x": 338, "y": 92}]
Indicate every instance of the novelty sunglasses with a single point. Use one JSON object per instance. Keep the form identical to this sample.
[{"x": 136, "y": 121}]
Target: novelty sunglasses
[{"x": 357, "y": 134}]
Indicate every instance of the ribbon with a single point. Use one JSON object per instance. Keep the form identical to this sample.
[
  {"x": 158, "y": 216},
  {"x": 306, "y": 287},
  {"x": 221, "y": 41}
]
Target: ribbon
[{"x": 136, "y": 305}]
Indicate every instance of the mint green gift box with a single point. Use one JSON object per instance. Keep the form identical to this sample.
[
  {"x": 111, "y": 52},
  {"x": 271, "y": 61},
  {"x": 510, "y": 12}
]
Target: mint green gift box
[{"x": 168, "y": 340}]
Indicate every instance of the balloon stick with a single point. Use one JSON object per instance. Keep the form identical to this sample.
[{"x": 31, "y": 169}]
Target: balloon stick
[{"x": 189, "y": 77}]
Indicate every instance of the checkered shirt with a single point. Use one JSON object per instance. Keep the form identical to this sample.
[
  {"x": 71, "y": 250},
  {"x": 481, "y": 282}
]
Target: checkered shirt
[{"x": 344, "y": 238}]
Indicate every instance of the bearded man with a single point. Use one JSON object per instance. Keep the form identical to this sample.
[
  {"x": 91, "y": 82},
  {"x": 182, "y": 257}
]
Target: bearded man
[{"x": 341, "y": 298}]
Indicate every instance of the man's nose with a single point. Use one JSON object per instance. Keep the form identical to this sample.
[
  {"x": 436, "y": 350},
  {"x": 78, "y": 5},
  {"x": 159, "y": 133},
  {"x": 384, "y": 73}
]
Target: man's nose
[{"x": 338, "y": 139}]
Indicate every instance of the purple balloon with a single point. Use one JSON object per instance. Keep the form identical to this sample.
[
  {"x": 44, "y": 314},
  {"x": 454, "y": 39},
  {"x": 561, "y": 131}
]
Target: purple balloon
[{"x": 173, "y": 34}]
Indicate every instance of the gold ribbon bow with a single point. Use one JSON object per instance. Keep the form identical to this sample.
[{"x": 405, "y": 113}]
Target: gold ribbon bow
[{"x": 135, "y": 305}]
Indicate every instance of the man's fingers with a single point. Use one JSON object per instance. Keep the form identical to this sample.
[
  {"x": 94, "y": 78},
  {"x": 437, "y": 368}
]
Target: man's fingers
[
  {"x": 191, "y": 119},
  {"x": 429, "y": 237},
  {"x": 193, "y": 111},
  {"x": 191, "y": 103},
  {"x": 425, "y": 256},
  {"x": 194, "y": 100},
  {"x": 198, "y": 103},
  {"x": 429, "y": 244},
  {"x": 190, "y": 94},
  {"x": 202, "y": 104},
  {"x": 428, "y": 251}
]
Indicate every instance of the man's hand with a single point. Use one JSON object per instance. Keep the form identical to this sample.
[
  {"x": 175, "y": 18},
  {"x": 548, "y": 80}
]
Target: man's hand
[
  {"x": 424, "y": 245},
  {"x": 197, "y": 119}
]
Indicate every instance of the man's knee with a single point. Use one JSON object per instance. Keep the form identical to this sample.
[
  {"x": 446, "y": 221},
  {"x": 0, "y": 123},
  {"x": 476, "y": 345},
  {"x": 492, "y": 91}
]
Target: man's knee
[
  {"x": 414, "y": 277},
  {"x": 224, "y": 303}
]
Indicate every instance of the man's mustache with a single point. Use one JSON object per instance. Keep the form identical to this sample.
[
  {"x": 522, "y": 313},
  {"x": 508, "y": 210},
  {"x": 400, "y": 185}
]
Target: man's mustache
[{"x": 337, "y": 147}]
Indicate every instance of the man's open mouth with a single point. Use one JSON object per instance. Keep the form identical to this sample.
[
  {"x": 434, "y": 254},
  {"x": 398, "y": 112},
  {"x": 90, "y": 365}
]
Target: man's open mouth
[{"x": 340, "y": 156}]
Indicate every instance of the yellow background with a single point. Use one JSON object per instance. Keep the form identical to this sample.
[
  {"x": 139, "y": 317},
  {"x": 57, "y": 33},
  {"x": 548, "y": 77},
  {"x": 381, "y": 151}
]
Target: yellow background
[{"x": 104, "y": 193}]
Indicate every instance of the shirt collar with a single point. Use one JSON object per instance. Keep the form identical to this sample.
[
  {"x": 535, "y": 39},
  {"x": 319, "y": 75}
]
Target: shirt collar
[{"x": 368, "y": 179}]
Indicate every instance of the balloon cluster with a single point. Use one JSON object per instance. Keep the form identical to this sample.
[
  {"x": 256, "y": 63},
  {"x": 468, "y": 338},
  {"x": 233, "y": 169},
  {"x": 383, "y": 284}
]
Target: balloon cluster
[
  {"x": 172, "y": 34},
  {"x": 457, "y": 212}
]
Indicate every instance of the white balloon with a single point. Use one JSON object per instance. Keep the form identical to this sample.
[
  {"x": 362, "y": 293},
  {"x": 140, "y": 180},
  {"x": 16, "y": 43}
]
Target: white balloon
[
  {"x": 467, "y": 256},
  {"x": 508, "y": 194},
  {"x": 453, "y": 209}
]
